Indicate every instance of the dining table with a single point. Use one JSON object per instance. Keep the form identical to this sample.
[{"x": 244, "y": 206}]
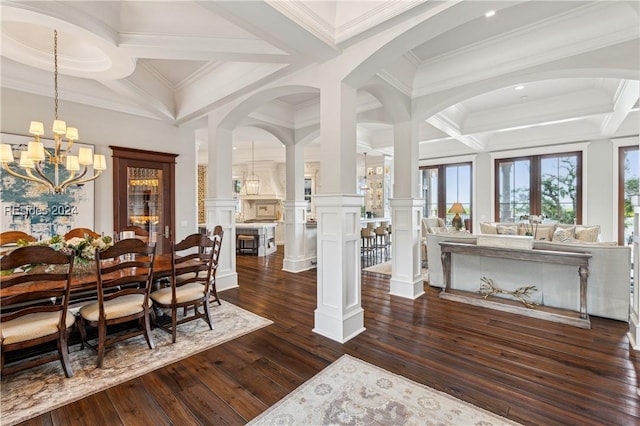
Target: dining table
[{"x": 83, "y": 282}]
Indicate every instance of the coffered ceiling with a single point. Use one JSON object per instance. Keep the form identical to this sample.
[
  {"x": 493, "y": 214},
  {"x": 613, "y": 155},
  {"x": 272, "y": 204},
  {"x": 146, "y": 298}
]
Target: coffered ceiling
[{"x": 535, "y": 73}]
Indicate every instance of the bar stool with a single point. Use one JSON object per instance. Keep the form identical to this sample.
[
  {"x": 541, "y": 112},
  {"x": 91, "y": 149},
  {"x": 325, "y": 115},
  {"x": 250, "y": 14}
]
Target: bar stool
[
  {"x": 241, "y": 243},
  {"x": 382, "y": 240},
  {"x": 368, "y": 242}
]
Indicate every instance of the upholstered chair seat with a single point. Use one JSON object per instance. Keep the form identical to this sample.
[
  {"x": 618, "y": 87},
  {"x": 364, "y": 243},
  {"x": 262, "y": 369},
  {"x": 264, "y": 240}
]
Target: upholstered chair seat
[
  {"x": 121, "y": 306},
  {"x": 33, "y": 326},
  {"x": 186, "y": 293}
]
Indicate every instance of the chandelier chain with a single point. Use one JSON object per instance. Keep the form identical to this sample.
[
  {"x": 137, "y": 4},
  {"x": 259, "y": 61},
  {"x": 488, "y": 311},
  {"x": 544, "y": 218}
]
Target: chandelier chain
[{"x": 55, "y": 71}]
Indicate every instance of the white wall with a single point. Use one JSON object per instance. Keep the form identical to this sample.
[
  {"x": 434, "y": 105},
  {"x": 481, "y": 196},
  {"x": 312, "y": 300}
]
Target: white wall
[{"x": 102, "y": 128}]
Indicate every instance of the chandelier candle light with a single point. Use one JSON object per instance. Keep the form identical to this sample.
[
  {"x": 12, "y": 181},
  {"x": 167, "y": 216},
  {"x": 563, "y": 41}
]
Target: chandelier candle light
[{"x": 33, "y": 158}]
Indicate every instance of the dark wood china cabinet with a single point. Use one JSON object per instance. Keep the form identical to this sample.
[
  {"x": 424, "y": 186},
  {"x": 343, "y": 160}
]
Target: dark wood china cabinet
[{"x": 144, "y": 193}]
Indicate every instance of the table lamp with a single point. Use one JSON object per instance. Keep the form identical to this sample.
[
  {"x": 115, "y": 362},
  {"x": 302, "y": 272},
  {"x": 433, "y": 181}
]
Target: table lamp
[{"x": 457, "y": 208}]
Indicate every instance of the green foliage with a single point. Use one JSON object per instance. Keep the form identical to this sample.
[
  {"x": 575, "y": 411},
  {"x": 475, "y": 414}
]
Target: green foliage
[{"x": 557, "y": 188}]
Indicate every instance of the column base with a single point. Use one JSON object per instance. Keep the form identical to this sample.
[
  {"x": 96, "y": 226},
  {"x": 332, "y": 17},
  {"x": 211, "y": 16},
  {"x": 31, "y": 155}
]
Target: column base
[
  {"x": 339, "y": 329},
  {"x": 226, "y": 281},
  {"x": 299, "y": 265},
  {"x": 407, "y": 289}
]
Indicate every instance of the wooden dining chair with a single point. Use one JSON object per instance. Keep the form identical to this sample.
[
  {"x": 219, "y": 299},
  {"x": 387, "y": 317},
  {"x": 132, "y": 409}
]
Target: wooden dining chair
[
  {"x": 39, "y": 316},
  {"x": 194, "y": 261},
  {"x": 9, "y": 240},
  {"x": 80, "y": 233},
  {"x": 125, "y": 272},
  {"x": 139, "y": 232},
  {"x": 12, "y": 237}
]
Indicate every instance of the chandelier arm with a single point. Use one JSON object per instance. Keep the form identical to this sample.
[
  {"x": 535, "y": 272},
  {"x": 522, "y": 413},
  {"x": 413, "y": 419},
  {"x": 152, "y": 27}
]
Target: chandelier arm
[
  {"x": 89, "y": 179},
  {"x": 66, "y": 151},
  {"x": 29, "y": 176},
  {"x": 43, "y": 178},
  {"x": 71, "y": 179}
]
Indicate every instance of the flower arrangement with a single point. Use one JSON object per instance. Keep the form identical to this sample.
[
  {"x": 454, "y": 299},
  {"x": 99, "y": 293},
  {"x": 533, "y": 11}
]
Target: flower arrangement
[
  {"x": 83, "y": 248},
  {"x": 530, "y": 224}
]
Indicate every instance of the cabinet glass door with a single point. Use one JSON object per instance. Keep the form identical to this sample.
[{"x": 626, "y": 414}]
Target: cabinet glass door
[
  {"x": 145, "y": 188},
  {"x": 144, "y": 193}
]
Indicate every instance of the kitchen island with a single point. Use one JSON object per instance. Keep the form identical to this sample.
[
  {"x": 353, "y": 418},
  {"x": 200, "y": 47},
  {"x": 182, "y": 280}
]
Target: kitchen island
[{"x": 264, "y": 233}]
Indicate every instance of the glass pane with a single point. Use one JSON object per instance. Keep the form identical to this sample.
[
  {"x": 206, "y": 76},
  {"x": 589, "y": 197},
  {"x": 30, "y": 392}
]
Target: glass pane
[
  {"x": 430, "y": 192},
  {"x": 558, "y": 188},
  {"x": 144, "y": 198},
  {"x": 514, "y": 189},
  {"x": 458, "y": 190},
  {"x": 631, "y": 176}
]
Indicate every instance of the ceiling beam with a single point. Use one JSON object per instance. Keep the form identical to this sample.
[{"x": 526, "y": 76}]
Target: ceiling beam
[{"x": 624, "y": 100}]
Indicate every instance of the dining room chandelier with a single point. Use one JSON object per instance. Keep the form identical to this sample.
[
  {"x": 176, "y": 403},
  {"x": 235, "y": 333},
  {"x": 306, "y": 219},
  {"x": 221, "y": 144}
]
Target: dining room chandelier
[{"x": 33, "y": 159}]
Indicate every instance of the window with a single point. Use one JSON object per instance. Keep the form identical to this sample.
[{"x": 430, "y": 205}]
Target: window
[
  {"x": 547, "y": 185},
  {"x": 444, "y": 185},
  {"x": 628, "y": 164}
]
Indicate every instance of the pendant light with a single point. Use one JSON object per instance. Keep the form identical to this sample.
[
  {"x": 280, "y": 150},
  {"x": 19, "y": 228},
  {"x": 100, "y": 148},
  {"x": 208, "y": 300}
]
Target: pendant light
[{"x": 252, "y": 183}]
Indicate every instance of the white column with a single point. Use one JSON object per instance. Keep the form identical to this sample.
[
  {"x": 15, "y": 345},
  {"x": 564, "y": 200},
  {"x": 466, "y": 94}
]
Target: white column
[
  {"x": 296, "y": 256},
  {"x": 406, "y": 213},
  {"x": 220, "y": 205},
  {"x": 406, "y": 274},
  {"x": 634, "y": 316},
  {"x": 339, "y": 315}
]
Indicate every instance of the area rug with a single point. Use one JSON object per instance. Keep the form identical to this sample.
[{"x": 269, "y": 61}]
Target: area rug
[
  {"x": 384, "y": 268},
  {"x": 41, "y": 389},
  {"x": 353, "y": 392}
]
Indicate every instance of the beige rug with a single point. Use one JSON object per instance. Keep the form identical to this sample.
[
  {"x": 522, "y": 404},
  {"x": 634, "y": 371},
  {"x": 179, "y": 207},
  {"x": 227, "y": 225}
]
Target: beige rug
[
  {"x": 384, "y": 268},
  {"x": 353, "y": 392},
  {"x": 41, "y": 389}
]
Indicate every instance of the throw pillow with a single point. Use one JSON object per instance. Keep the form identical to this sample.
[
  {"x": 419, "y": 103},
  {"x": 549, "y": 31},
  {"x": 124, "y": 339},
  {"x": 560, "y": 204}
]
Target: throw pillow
[
  {"x": 438, "y": 229},
  {"x": 507, "y": 229},
  {"x": 564, "y": 235},
  {"x": 587, "y": 233},
  {"x": 544, "y": 233},
  {"x": 488, "y": 228}
]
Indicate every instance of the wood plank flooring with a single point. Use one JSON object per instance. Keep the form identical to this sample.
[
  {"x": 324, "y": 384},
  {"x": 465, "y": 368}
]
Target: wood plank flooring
[{"x": 532, "y": 371}]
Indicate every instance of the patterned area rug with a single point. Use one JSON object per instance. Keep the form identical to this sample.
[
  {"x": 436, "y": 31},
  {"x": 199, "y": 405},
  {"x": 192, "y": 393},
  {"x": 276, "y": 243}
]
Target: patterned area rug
[
  {"x": 35, "y": 391},
  {"x": 353, "y": 392},
  {"x": 384, "y": 268}
]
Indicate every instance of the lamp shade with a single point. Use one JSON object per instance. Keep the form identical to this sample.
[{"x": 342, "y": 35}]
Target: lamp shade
[
  {"x": 36, "y": 128},
  {"x": 35, "y": 151},
  {"x": 72, "y": 163},
  {"x": 85, "y": 156},
  {"x": 72, "y": 134},
  {"x": 6, "y": 155},
  {"x": 99, "y": 162},
  {"x": 25, "y": 161},
  {"x": 59, "y": 127},
  {"x": 457, "y": 208}
]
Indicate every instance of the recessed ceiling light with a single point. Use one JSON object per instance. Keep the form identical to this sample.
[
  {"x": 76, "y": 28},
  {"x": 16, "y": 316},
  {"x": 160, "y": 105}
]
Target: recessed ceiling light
[
  {"x": 235, "y": 147},
  {"x": 489, "y": 14},
  {"x": 519, "y": 87}
]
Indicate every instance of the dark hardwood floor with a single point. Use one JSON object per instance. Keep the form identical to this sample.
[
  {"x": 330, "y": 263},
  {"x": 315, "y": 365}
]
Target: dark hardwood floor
[{"x": 531, "y": 371}]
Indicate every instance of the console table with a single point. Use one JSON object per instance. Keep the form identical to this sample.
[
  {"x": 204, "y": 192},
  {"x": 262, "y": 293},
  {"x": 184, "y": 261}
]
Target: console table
[{"x": 579, "y": 260}]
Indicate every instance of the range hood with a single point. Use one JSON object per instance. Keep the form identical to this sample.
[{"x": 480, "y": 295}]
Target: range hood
[{"x": 272, "y": 177}]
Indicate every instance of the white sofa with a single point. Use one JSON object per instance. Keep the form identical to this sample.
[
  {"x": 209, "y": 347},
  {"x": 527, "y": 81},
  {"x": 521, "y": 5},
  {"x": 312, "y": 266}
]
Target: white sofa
[{"x": 608, "y": 288}]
